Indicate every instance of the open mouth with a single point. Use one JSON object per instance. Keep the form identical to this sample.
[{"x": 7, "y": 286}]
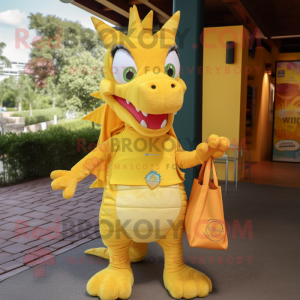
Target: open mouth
[{"x": 146, "y": 120}]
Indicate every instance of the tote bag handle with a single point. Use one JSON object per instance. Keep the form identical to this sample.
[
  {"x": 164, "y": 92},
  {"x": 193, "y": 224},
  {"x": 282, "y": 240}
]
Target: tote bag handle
[
  {"x": 201, "y": 173},
  {"x": 209, "y": 164}
]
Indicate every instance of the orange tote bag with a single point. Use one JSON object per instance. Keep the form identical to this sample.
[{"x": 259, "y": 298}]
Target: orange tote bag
[{"x": 204, "y": 220}]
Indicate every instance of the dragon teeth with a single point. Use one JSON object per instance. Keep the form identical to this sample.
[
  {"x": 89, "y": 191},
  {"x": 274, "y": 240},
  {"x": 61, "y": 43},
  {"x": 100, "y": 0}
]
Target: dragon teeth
[
  {"x": 127, "y": 102},
  {"x": 144, "y": 124},
  {"x": 163, "y": 124},
  {"x": 145, "y": 114}
]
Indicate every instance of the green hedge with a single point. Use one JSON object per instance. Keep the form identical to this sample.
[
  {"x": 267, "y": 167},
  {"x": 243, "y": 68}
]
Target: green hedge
[
  {"x": 36, "y": 119},
  {"x": 36, "y": 155},
  {"x": 41, "y": 115}
]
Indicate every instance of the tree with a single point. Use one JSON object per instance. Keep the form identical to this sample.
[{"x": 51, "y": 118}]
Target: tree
[
  {"x": 2, "y": 92},
  {"x": 40, "y": 68},
  {"x": 30, "y": 97},
  {"x": 78, "y": 79},
  {"x": 59, "y": 41},
  {"x": 23, "y": 86},
  {"x": 8, "y": 99},
  {"x": 4, "y": 59},
  {"x": 16, "y": 87},
  {"x": 7, "y": 85},
  {"x": 62, "y": 39}
]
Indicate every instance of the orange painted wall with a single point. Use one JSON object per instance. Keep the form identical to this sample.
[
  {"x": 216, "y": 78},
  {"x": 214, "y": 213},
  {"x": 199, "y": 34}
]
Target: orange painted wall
[
  {"x": 224, "y": 94},
  {"x": 288, "y": 56},
  {"x": 260, "y": 142},
  {"x": 261, "y": 139},
  {"x": 225, "y": 89}
]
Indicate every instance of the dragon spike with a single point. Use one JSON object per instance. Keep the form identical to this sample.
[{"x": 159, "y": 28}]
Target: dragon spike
[
  {"x": 169, "y": 30},
  {"x": 107, "y": 34},
  {"x": 130, "y": 19},
  {"x": 147, "y": 23},
  {"x": 135, "y": 25}
]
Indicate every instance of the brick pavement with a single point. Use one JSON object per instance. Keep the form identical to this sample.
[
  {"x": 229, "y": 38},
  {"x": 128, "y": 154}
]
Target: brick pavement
[{"x": 33, "y": 217}]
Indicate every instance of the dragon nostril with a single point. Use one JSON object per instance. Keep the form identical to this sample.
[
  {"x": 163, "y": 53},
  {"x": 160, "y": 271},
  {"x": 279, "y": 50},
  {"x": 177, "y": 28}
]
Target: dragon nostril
[
  {"x": 153, "y": 87},
  {"x": 172, "y": 85}
]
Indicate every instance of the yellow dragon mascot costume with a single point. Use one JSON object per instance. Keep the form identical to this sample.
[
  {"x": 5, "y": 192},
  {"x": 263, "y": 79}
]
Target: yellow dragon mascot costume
[{"x": 137, "y": 159}]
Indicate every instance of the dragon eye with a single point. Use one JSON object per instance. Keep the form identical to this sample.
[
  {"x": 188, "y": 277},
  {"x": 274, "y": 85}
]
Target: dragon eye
[
  {"x": 170, "y": 70},
  {"x": 172, "y": 65},
  {"x": 129, "y": 73},
  {"x": 123, "y": 67}
]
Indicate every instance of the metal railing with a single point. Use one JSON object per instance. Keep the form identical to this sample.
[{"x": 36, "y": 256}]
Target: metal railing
[{"x": 225, "y": 159}]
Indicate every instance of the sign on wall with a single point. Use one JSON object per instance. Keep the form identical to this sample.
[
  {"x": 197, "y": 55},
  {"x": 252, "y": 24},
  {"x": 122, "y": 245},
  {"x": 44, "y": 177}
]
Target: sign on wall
[{"x": 286, "y": 129}]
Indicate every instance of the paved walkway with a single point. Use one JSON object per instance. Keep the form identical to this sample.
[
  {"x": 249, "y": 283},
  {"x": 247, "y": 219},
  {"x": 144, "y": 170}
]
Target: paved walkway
[
  {"x": 262, "y": 260},
  {"x": 274, "y": 173},
  {"x": 37, "y": 222}
]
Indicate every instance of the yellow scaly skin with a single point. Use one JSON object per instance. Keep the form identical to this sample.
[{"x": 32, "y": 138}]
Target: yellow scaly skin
[{"x": 116, "y": 280}]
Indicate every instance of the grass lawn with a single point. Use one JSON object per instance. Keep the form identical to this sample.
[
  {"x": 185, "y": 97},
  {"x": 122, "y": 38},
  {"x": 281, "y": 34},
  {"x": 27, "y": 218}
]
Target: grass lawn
[
  {"x": 76, "y": 124},
  {"x": 11, "y": 109},
  {"x": 40, "y": 115},
  {"x": 41, "y": 112}
]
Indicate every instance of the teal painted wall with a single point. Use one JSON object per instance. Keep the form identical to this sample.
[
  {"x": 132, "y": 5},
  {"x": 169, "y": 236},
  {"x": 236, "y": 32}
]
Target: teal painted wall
[{"x": 188, "y": 120}]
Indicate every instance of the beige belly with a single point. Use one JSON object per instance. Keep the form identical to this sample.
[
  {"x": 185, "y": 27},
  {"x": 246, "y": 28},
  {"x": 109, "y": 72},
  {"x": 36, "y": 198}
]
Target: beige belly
[{"x": 147, "y": 215}]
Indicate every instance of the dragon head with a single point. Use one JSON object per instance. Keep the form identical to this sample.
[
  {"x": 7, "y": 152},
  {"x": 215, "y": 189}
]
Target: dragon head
[{"x": 142, "y": 83}]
